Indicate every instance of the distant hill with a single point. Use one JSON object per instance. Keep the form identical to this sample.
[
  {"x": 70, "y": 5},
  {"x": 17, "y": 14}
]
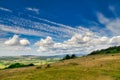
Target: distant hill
[{"x": 110, "y": 50}]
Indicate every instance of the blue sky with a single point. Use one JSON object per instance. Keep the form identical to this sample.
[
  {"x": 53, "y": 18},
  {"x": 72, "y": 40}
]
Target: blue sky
[{"x": 55, "y": 27}]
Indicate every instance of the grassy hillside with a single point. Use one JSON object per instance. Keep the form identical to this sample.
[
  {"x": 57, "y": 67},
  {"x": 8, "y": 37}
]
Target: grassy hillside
[
  {"x": 93, "y": 67},
  {"x": 110, "y": 50},
  {"x": 2, "y": 66},
  {"x": 27, "y": 59}
]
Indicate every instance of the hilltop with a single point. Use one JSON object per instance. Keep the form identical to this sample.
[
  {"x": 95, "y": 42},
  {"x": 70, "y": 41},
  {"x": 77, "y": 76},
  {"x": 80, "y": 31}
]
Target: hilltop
[{"x": 110, "y": 50}]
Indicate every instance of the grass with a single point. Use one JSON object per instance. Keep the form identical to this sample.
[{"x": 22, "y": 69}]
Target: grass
[
  {"x": 93, "y": 67},
  {"x": 2, "y": 66}
]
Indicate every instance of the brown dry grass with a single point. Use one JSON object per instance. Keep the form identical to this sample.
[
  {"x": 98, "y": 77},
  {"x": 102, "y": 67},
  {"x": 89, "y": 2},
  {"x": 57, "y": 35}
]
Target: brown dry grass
[{"x": 95, "y": 67}]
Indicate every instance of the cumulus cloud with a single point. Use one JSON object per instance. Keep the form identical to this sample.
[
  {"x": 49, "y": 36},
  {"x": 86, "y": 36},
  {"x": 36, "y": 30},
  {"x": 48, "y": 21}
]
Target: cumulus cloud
[
  {"x": 16, "y": 41},
  {"x": 13, "y": 41},
  {"x": 24, "y": 42},
  {"x": 15, "y": 50},
  {"x": 78, "y": 43},
  {"x": 80, "y": 38},
  {"x": 115, "y": 41},
  {"x": 45, "y": 44},
  {"x": 33, "y": 9},
  {"x": 73, "y": 39}
]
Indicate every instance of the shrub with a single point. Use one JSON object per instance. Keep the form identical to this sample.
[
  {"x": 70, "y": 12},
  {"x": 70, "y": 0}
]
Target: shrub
[
  {"x": 48, "y": 66},
  {"x": 31, "y": 64}
]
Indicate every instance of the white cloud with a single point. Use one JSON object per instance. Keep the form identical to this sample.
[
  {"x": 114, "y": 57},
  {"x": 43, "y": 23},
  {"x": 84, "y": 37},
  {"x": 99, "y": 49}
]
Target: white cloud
[
  {"x": 8, "y": 50},
  {"x": 82, "y": 44},
  {"x": 5, "y": 9},
  {"x": 47, "y": 28},
  {"x": 61, "y": 29},
  {"x": 20, "y": 30},
  {"x": 80, "y": 38},
  {"x": 112, "y": 25},
  {"x": 16, "y": 41},
  {"x": 77, "y": 39},
  {"x": 48, "y": 45},
  {"x": 24, "y": 42},
  {"x": 99, "y": 41},
  {"x": 115, "y": 41},
  {"x": 13, "y": 41},
  {"x": 44, "y": 44},
  {"x": 33, "y": 9}
]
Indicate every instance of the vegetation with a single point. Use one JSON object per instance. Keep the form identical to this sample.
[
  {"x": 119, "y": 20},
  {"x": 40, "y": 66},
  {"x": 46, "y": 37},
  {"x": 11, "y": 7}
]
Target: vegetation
[
  {"x": 105, "y": 67},
  {"x": 110, "y": 50},
  {"x": 18, "y": 65},
  {"x": 6, "y": 61},
  {"x": 31, "y": 64},
  {"x": 73, "y": 56},
  {"x": 48, "y": 66},
  {"x": 2, "y": 66},
  {"x": 69, "y": 57}
]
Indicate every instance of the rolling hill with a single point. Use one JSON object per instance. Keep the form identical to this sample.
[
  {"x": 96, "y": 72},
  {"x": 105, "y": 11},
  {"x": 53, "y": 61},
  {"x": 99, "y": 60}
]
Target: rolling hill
[
  {"x": 94, "y": 67},
  {"x": 91, "y": 67}
]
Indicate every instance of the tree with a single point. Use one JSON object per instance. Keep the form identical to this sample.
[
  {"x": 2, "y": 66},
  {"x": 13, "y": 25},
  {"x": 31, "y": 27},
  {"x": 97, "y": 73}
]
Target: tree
[
  {"x": 67, "y": 57},
  {"x": 73, "y": 56},
  {"x": 16, "y": 65}
]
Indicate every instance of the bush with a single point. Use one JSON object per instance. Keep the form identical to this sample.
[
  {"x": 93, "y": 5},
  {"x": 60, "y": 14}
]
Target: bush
[
  {"x": 31, "y": 64},
  {"x": 48, "y": 66},
  {"x": 18, "y": 65}
]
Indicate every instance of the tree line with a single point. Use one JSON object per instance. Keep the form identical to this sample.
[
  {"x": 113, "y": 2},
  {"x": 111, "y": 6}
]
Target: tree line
[
  {"x": 110, "y": 50},
  {"x": 69, "y": 57}
]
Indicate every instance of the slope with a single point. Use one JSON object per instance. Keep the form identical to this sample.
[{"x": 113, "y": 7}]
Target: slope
[{"x": 93, "y": 67}]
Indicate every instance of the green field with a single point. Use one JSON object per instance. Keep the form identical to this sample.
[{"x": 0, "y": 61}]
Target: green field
[
  {"x": 2, "y": 66},
  {"x": 36, "y": 60},
  {"x": 93, "y": 67}
]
